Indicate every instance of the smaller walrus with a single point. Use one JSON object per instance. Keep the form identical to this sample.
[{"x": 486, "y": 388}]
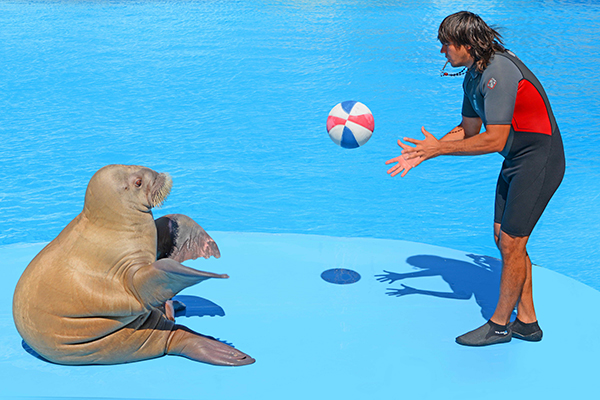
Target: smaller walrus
[{"x": 99, "y": 293}]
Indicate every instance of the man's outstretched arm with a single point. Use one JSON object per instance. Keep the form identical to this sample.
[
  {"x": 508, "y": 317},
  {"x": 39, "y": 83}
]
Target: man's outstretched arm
[{"x": 492, "y": 140}]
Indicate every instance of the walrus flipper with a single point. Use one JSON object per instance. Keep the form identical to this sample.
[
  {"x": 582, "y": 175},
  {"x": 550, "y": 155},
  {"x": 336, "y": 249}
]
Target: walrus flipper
[
  {"x": 156, "y": 283},
  {"x": 181, "y": 238}
]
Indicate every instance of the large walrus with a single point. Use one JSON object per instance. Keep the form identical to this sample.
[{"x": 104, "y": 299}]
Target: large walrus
[{"x": 97, "y": 293}]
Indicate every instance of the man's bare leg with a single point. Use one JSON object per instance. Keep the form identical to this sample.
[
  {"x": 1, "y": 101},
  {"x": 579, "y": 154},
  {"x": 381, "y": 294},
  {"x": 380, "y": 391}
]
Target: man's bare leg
[
  {"x": 515, "y": 265},
  {"x": 525, "y": 308}
]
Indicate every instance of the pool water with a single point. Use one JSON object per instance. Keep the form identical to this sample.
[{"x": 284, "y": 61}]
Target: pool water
[{"x": 231, "y": 99}]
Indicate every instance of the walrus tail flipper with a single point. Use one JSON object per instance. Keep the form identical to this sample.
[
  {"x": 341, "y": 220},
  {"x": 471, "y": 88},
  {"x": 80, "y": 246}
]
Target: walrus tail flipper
[
  {"x": 156, "y": 283},
  {"x": 181, "y": 238}
]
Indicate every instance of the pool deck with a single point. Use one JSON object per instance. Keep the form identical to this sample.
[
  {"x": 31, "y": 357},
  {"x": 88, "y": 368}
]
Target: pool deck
[{"x": 389, "y": 335}]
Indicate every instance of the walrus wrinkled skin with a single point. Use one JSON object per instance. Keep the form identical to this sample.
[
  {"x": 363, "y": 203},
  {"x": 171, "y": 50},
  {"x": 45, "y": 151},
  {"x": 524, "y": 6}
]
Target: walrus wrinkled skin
[{"x": 99, "y": 293}]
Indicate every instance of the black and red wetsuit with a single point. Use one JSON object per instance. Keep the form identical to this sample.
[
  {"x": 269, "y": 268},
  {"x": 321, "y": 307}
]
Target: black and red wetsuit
[{"x": 507, "y": 93}]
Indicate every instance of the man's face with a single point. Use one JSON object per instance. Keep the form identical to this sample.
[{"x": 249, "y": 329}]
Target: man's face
[{"x": 457, "y": 56}]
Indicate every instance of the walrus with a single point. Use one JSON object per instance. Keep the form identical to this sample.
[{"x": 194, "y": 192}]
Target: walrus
[{"x": 100, "y": 292}]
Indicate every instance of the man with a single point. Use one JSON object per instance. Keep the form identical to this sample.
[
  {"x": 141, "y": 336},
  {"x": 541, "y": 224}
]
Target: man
[{"x": 501, "y": 94}]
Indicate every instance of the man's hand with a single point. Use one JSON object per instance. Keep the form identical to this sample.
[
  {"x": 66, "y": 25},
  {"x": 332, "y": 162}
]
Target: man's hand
[
  {"x": 424, "y": 149},
  {"x": 403, "y": 164}
]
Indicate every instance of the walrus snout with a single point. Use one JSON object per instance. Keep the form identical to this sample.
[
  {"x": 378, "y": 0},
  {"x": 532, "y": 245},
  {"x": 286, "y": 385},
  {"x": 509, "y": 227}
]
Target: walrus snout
[{"x": 160, "y": 189}]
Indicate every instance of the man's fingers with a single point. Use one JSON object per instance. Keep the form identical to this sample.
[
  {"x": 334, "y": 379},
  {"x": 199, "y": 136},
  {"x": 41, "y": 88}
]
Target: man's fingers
[
  {"x": 404, "y": 146},
  {"x": 411, "y": 140},
  {"x": 424, "y": 131},
  {"x": 389, "y": 171},
  {"x": 397, "y": 172},
  {"x": 393, "y": 160},
  {"x": 394, "y": 169}
]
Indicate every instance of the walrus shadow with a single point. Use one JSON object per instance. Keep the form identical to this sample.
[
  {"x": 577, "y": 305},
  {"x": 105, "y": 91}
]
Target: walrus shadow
[
  {"x": 195, "y": 306},
  {"x": 33, "y": 352},
  {"x": 480, "y": 278}
]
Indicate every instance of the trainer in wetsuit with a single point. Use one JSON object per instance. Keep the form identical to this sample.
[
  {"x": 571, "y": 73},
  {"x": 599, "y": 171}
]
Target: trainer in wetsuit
[{"x": 506, "y": 98}]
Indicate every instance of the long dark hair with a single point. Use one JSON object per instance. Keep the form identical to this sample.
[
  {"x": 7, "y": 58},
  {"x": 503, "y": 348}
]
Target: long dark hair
[{"x": 467, "y": 29}]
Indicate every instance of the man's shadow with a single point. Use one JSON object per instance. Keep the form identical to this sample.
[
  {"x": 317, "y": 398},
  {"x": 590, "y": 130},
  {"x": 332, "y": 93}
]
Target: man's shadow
[{"x": 480, "y": 278}]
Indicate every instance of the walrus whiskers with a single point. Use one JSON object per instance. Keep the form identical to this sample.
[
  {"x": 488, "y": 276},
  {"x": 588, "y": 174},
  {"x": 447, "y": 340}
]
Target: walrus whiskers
[{"x": 162, "y": 192}]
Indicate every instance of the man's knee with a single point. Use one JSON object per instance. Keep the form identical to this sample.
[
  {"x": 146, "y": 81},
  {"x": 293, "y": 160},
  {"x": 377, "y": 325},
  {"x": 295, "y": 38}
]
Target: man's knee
[{"x": 512, "y": 245}]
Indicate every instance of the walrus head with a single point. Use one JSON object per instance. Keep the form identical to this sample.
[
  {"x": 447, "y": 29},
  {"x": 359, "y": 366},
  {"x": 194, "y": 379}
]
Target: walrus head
[{"x": 118, "y": 191}]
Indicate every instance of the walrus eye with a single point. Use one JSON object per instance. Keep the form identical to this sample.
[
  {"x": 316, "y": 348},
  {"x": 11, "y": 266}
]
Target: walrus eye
[{"x": 138, "y": 183}]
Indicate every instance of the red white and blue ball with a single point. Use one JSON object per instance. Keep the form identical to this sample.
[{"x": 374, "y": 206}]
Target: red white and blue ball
[{"x": 350, "y": 124}]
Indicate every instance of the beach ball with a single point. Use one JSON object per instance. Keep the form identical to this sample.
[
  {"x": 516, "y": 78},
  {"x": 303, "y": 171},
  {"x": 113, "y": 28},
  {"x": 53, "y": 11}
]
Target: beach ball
[{"x": 350, "y": 124}]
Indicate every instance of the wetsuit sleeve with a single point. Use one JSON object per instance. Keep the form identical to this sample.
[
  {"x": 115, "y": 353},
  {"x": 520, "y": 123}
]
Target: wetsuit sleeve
[
  {"x": 499, "y": 85},
  {"x": 467, "y": 108}
]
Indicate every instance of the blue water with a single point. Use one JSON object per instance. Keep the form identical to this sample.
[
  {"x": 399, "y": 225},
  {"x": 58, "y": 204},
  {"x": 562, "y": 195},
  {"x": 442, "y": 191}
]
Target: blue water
[{"x": 231, "y": 98}]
